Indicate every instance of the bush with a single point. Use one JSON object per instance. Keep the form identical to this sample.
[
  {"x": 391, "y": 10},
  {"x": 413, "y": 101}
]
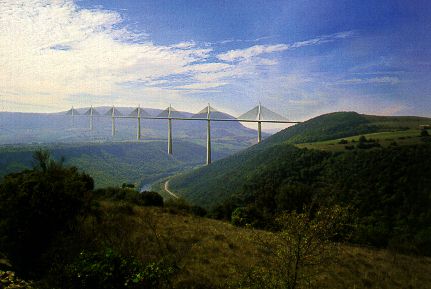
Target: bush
[
  {"x": 130, "y": 195},
  {"x": 36, "y": 205},
  {"x": 151, "y": 199},
  {"x": 9, "y": 280},
  {"x": 343, "y": 141},
  {"x": 111, "y": 270},
  {"x": 246, "y": 216}
]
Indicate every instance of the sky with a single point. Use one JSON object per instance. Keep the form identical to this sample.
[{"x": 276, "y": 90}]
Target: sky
[{"x": 300, "y": 58}]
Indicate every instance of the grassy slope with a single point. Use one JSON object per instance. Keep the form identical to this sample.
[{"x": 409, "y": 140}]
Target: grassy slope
[
  {"x": 343, "y": 124},
  {"x": 400, "y": 137},
  {"x": 217, "y": 252},
  {"x": 212, "y": 184}
]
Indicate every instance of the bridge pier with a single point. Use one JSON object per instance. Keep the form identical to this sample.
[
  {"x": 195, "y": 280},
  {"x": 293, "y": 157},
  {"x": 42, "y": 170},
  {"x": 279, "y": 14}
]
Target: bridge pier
[
  {"x": 169, "y": 130},
  {"x": 91, "y": 118},
  {"x": 209, "y": 135},
  {"x": 259, "y": 131},
  {"x": 138, "y": 129},
  {"x": 209, "y": 143},
  {"x": 113, "y": 121}
]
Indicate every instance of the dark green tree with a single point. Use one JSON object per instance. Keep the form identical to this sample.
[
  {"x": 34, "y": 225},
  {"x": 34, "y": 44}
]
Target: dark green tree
[{"x": 35, "y": 206}]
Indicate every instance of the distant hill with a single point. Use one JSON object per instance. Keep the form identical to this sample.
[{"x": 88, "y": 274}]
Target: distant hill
[
  {"x": 25, "y": 128},
  {"x": 112, "y": 164},
  {"x": 343, "y": 124}
]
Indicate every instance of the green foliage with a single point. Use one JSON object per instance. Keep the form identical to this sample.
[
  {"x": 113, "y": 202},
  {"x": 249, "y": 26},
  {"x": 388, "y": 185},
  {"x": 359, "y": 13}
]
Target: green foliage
[
  {"x": 300, "y": 251},
  {"x": 8, "y": 280},
  {"x": 424, "y": 133},
  {"x": 151, "y": 199},
  {"x": 324, "y": 127},
  {"x": 130, "y": 195},
  {"x": 112, "y": 164},
  {"x": 364, "y": 143},
  {"x": 36, "y": 205},
  {"x": 111, "y": 270},
  {"x": 246, "y": 216},
  {"x": 389, "y": 188}
]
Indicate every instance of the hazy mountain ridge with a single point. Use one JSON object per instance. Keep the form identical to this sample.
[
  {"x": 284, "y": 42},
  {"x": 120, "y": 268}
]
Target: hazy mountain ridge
[{"x": 24, "y": 128}]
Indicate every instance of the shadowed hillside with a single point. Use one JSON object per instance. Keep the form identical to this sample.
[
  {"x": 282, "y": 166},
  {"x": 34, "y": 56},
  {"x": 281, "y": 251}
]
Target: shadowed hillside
[{"x": 387, "y": 185}]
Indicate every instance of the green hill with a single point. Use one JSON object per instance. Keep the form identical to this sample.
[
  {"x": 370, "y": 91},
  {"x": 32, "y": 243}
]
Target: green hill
[
  {"x": 388, "y": 187},
  {"x": 112, "y": 164},
  {"x": 209, "y": 185},
  {"x": 344, "y": 124}
]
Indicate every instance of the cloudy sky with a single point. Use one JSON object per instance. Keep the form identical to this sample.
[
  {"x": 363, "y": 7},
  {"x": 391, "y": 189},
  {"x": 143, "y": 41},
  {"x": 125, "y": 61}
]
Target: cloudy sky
[{"x": 300, "y": 58}]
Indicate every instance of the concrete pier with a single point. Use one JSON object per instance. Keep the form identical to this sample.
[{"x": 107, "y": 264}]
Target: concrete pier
[
  {"x": 113, "y": 121},
  {"x": 169, "y": 130},
  {"x": 209, "y": 135},
  {"x": 138, "y": 130}
]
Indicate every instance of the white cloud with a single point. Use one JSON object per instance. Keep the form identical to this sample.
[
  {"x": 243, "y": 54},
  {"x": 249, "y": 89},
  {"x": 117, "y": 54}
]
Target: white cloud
[
  {"x": 201, "y": 86},
  {"x": 55, "y": 48},
  {"x": 54, "y": 54},
  {"x": 253, "y": 51},
  {"x": 247, "y": 53},
  {"x": 375, "y": 80}
]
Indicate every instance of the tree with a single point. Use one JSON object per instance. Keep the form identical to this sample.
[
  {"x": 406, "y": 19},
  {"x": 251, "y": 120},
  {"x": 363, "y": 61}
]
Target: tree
[
  {"x": 36, "y": 205},
  {"x": 302, "y": 248}
]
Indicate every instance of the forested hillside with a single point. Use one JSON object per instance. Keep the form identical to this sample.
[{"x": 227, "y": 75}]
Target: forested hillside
[
  {"x": 387, "y": 187},
  {"x": 112, "y": 164}
]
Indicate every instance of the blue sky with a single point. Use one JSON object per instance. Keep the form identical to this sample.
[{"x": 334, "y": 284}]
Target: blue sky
[{"x": 300, "y": 58}]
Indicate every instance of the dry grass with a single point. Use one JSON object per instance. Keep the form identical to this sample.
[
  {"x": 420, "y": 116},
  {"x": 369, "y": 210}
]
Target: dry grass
[{"x": 214, "y": 253}]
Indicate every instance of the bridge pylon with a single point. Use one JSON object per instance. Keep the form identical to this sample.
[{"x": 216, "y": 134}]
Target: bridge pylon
[{"x": 261, "y": 114}]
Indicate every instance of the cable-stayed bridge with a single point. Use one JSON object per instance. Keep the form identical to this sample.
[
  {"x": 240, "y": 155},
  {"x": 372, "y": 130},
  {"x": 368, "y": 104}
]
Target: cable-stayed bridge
[{"x": 258, "y": 114}]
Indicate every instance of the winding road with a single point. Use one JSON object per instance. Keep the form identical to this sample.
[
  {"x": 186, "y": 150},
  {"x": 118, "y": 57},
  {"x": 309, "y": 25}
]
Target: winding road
[{"x": 170, "y": 192}]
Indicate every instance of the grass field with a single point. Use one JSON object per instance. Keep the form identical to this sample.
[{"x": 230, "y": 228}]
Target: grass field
[
  {"x": 216, "y": 254},
  {"x": 401, "y": 137}
]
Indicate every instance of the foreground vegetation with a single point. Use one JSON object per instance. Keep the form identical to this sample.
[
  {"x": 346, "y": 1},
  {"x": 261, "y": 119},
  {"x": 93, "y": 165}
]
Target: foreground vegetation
[{"x": 61, "y": 233}]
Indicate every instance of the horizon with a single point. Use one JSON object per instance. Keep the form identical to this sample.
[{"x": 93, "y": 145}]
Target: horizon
[{"x": 295, "y": 57}]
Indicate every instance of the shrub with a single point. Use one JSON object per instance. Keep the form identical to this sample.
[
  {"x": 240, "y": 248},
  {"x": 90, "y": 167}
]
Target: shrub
[
  {"x": 151, "y": 199},
  {"x": 246, "y": 216},
  {"x": 9, "y": 280},
  {"x": 343, "y": 141},
  {"x": 36, "y": 205},
  {"x": 130, "y": 195},
  {"x": 111, "y": 270}
]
